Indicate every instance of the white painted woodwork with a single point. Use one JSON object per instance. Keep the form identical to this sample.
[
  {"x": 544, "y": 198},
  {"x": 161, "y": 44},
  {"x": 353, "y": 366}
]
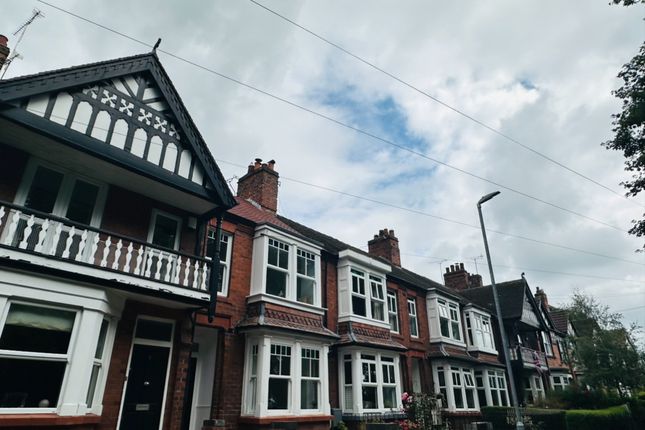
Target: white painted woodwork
[
  {"x": 38, "y": 104},
  {"x": 102, "y": 125},
  {"x": 184, "y": 163},
  {"x": 119, "y": 134},
  {"x": 62, "y": 107},
  {"x": 170, "y": 158},
  {"x": 154, "y": 152},
  {"x": 139, "y": 142},
  {"x": 82, "y": 117}
]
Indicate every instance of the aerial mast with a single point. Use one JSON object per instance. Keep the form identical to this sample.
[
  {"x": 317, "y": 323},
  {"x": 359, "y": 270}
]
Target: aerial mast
[{"x": 20, "y": 32}]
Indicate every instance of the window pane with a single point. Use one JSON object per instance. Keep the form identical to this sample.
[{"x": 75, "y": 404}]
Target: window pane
[
  {"x": 276, "y": 282},
  {"x": 309, "y": 395},
  {"x": 305, "y": 291},
  {"x": 44, "y": 190},
  {"x": 348, "y": 372},
  {"x": 93, "y": 380},
  {"x": 278, "y": 393},
  {"x": 389, "y": 397},
  {"x": 30, "y": 383},
  {"x": 165, "y": 231},
  {"x": 377, "y": 311},
  {"x": 470, "y": 399},
  {"x": 459, "y": 399},
  {"x": 455, "y": 331},
  {"x": 348, "y": 397},
  {"x": 481, "y": 394},
  {"x": 37, "y": 329},
  {"x": 369, "y": 398},
  {"x": 81, "y": 204},
  {"x": 154, "y": 330},
  {"x": 101, "y": 342},
  {"x": 358, "y": 306},
  {"x": 445, "y": 331}
]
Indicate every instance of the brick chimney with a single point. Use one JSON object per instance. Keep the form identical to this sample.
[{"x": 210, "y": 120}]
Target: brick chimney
[
  {"x": 4, "y": 50},
  {"x": 386, "y": 245},
  {"x": 458, "y": 278},
  {"x": 260, "y": 184},
  {"x": 540, "y": 297}
]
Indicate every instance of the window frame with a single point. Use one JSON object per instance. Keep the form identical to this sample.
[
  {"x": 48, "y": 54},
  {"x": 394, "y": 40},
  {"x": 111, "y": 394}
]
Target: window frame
[
  {"x": 61, "y": 204},
  {"x": 475, "y": 322},
  {"x": 547, "y": 345},
  {"x": 260, "y": 392},
  {"x": 449, "y": 371},
  {"x": 153, "y": 222},
  {"x": 369, "y": 280},
  {"x": 393, "y": 310},
  {"x": 412, "y": 306},
  {"x": 450, "y": 308},
  {"x": 498, "y": 390},
  {"x": 260, "y": 267},
  {"x": 356, "y": 356},
  {"x": 226, "y": 262}
]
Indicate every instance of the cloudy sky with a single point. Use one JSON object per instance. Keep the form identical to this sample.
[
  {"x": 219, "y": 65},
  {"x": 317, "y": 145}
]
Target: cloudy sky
[{"x": 540, "y": 72}]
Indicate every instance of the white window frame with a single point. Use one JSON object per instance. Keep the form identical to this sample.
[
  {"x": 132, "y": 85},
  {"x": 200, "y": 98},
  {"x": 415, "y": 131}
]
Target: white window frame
[
  {"x": 355, "y": 404},
  {"x": 464, "y": 373},
  {"x": 260, "y": 267},
  {"x": 493, "y": 382},
  {"x": 370, "y": 281},
  {"x": 264, "y": 343},
  {"x": 451, "y": 309},
  {"x": 476, "y": 323},
  {"x": 64, "y": 192},
  {"x": 412, "y": 314},
  {"x": 393, "y": 311},
  {"x": 545, "y": 337},
  {"x": 79, "y": 359},
  {"x": 315, "y": 379},
  {"x": 564, "y": 380},
  {"x": 153, "y": 222},
  {"x": 224, "y": 261},
  {"x": 536, "y": 387}
]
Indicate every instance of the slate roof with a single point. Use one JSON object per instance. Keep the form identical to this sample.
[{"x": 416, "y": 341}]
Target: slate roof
[
  {"x": 560, "y": 319},
  {"x": 366, "y": 336},
  {"x": 75, "y": 76},
  {"x": 511, "y": 296}
]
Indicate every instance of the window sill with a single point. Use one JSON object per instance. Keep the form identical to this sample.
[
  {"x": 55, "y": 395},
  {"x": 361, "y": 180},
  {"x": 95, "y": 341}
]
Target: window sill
[
  {"x": 486, "y": 350},
  {"x": 447, "y": 340},
  {"x": 46, "y": 420},
  {"x": 263, "y": 297},
  {"x": 364, "y": 320}
]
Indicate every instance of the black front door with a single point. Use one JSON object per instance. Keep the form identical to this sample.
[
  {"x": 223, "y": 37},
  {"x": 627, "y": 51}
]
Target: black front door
[{"x": 144, "y": 392}]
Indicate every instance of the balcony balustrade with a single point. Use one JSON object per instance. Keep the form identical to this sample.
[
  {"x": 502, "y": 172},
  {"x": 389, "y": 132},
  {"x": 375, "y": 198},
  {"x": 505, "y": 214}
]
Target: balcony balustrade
[
  {"x": 530, "y": 357},
  {"x": 45, "y": 235}
]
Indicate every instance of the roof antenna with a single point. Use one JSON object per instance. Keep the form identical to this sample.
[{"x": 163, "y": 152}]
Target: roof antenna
[
  {"x": 22, "y": 29},
  {"x": 154, "y": 48}
]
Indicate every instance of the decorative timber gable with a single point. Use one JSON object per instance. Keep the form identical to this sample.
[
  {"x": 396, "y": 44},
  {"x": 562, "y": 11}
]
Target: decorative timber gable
[{"x": 125, "y": 109}]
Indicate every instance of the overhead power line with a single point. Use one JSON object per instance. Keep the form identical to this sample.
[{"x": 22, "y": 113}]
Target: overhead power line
[
  {"x": 338, "y": 122},
  {"x": 442, "y": 103},
  {"x": 453, "y": 221}
]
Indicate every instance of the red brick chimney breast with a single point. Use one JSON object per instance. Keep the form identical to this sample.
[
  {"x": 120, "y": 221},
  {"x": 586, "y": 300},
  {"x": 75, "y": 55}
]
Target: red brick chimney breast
[
  {"x": 457, "y": 277},
  {"x": 4, "y": 50},
  {"x": 540, "y": 296},
  {"x": 385, "y": 245},
  {"x": 260, "y": 184}
]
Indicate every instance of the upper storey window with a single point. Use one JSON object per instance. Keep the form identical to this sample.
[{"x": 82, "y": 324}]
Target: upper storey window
[
  {"x": 444, "y": 317},
  {"x": 285, "y": 268},
  {"x": 362, "y": 293},
  {"x": 53, "y": 190},
  {"x": 480, "y": 331}
]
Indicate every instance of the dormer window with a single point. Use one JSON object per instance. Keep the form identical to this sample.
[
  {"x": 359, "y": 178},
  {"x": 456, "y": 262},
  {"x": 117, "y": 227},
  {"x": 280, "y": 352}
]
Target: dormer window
[{"x": 285, "y": 268}]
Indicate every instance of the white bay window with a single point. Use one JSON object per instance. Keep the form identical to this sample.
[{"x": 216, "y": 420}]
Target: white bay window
[
  {"x": 285, "y": 269},
  {"x": 444, "y": 318},
  {"x": 491, "y": 387},
  {"x": 285, "y": 377},
  {"x": 480, "y": 332},
  {"x": 457, "y": 385},
  {"x": 370, "y": 381}
]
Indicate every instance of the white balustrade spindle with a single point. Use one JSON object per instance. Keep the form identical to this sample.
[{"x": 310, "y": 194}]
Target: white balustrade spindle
[
  {"x": 186, "y": 272},
  {"x": 175, "y": 280},
  {"x": 148, "y": 264},
  {"x": 159, "y": 261},
  {"x": 93, "y": 248},
  {"x": 128, "y": 257},
  {"x": 137, "y": 267},
  {"x": 106, "y": 251},
  {"x": 68, "y": 242},
  {"x": 196, "y": 275},
  {"x": 42, "y": 235},
  {"x": 117, "y": 255},
  {"x": 81, "y": 246},
  {"x": 202, "y": 284},
  {"x": 13, "y": 224},
  {"x": 57, "y": 232}
]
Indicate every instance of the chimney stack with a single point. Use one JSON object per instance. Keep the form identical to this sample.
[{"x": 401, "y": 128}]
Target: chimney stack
[
  {"x": 541, "y": 297},
  {"x": 260, "y": 184},
  {"x": 4, "y": 50},
  {"x": 458, "y": 278},
  {"x": 386, "y": 245}
]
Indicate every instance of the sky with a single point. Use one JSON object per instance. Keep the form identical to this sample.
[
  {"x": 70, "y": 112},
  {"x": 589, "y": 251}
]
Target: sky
[{"x": 539, "y": 72}]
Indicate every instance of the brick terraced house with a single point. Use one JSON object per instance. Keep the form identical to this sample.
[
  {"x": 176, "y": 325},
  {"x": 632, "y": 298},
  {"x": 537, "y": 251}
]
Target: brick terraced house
[{"x": 106, "y": 187}]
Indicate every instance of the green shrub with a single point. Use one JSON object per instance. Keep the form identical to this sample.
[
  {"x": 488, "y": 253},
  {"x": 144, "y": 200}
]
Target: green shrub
[
  {"x": 503, "y": 418},
  {"x": 637, "y": 408},
  {"x": 575, "y": 397},
  {"x": 614, "y": 418}
]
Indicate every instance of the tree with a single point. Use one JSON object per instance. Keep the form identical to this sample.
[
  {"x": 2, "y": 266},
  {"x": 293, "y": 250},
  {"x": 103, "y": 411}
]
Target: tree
[
  {"x": 604, "y": 348},
  {"x": 629, "y": 124}
]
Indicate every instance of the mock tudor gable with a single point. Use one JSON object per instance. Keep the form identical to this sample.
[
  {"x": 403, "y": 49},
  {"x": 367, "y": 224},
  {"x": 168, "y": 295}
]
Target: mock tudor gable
[{"x": 126, "y": 111}]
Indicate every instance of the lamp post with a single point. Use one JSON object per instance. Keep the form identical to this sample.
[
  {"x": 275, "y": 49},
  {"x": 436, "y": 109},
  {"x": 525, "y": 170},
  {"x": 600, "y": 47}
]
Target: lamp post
[{"x": 511, "y": 380}]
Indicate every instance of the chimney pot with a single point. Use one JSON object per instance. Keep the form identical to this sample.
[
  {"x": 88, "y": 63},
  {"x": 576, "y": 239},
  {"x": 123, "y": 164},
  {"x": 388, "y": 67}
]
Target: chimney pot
[
  {"x": 3, "y": 40},
  {"x": 385, "y": 245},
  {"x": 260, "y": 184},
  {"x": 458, "y": 278}
]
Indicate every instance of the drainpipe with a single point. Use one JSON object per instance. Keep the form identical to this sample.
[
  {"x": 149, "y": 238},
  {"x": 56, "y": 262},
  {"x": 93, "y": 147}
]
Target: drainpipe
[{"x": 214, "y": 279}]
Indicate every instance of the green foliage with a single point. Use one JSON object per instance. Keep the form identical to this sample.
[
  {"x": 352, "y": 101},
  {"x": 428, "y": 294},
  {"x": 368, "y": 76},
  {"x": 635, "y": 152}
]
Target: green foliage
[
  {"x": 637, "y": 408},
  {"x": 341, "y": 426},
  {"x": 614, "y": 418},
  {"x": 419, "y": 410},
  {"x": 503, "y": 418},
  {"x": 603, "y": 347},
  {"x": 575, "y": 397}
]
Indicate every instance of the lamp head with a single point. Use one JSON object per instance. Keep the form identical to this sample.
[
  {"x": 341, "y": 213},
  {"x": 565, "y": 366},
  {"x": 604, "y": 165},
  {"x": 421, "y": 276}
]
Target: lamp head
[{"x": 487, "y": 197}]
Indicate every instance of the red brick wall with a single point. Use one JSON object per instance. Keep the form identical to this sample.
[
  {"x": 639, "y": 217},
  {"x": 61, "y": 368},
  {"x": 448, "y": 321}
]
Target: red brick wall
[
  {"x": 12, "y": 167},
  {"x": 119, "y": 217},
  {"x": 119, "y": 364}
]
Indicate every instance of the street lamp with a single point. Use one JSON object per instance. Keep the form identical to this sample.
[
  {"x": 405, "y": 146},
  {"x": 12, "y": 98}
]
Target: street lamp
[{"x": 518, "y": 418}]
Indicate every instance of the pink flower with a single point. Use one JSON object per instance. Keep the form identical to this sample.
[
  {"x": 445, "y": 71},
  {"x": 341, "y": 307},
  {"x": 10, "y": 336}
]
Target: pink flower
[{"x": 405, "y": 396}]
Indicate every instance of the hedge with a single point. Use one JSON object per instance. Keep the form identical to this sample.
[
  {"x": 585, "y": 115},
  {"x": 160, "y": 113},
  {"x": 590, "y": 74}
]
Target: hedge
[
  {"x": 551, "y": 419},
  {"x": 614, "y": 418}
]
